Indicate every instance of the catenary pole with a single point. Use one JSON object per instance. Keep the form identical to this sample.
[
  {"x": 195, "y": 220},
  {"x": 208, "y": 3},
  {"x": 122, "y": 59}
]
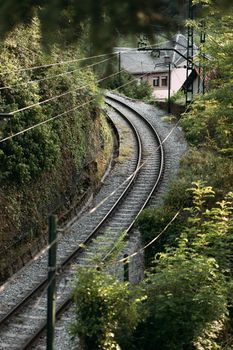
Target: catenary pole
[
  {"x": 51, "y": 301},
  {"x": 189, "y": 69}
]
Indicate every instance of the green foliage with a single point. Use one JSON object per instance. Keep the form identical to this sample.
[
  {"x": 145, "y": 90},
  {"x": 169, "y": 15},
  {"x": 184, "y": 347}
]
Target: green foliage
[
  {"x": 185, "y": 299},
  {"x": 210, "y": 121},
  {"x": 188, "y": 288},
  {"x": 29, "y": 155},
  {"x": 185, "y": 293},
  {"x": 178, "y": 97},
  {"x": 63, "y": 20},
  {"x": 202, "y": 164},
  {"x": 105, "y": 310},
  {"x": 131, "y": 87},
  {"x": 196, "y": 164},
  {"x": 210, "y": 230},
  {"x": 151, "y": 223}
]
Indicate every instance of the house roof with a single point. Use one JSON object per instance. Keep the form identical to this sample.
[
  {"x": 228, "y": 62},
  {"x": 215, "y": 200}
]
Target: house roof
[{"x": 140, "y": 62}]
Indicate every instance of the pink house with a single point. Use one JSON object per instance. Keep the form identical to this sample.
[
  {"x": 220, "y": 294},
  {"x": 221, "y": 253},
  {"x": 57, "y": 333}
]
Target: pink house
[{"x": 155, "y": 71}]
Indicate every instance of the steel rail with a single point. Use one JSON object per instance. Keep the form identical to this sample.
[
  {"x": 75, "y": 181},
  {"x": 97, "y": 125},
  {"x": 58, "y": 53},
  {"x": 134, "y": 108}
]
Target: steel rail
[
  {"x": 161, "y": 168},
  {"x": 80, "y": 248},
  {"x": 66, "y": 303}
]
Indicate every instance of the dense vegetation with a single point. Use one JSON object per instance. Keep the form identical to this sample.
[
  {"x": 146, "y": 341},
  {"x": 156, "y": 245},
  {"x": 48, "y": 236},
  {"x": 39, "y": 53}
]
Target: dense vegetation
[
  {"x": 185, "y": 302},
  {"x": 129, "y": 86},
  {"x": 48, "y": 167},
  {"x": 68, "y": 18}
]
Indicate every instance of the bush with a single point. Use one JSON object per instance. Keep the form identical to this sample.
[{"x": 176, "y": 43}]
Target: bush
[
  {"x": 105, "y": 311},
  {"x": 151, "y": 223},
  {"x": 131, "y": 87},
  {"x": 184, "y": 294}
]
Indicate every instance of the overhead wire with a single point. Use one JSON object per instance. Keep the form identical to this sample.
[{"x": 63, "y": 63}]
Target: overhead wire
[
  {"x": 54, "y": 97},
  {"x": 57, "y": 63},
  {"x": 47, "y": 120},
  {"x": 58, "y": 96},
  {"x": 125, "y": 259},
  {"x": 79, "y": 106},
  {"x": 66, "y": 62},
  {"x": 112, "y": 262},
  {"x": 151, "y": 241},
  {"x": 112, "y": 193},
  {"x": 57, "y": 75},
  {"x": 56, "y": 116}
]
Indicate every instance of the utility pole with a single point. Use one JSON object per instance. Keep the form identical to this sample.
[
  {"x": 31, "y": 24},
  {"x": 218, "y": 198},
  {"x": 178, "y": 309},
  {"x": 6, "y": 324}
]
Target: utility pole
[
  {"x": 189, "y": 69},
  {"x": 126, "y": 268},
  {"x": 167, "y": 61},
  {"x": 51, "y": 301},
  {"x": 202, "y": 57},
  {"x": 119, "y": 67},
  {"x": 169, "y": 88}
]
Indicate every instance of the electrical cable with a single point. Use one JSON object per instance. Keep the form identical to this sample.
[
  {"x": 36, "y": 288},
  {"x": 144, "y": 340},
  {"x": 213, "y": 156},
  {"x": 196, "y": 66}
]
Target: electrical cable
[
  {"x": 116, "y": 189},
  {"x": 109, "y": 196},
  {"x": 67, "y": 62},
  {"x": 55, "y": 97},
  {"x": 57, "y": 75},
  {"x": 25, "y": 130},
  {"x": 52, "y": 98},
  {"x": 57, "y": 63},
  {"x": 56, "y": 116},
  {"x": 150, "y": 242}
]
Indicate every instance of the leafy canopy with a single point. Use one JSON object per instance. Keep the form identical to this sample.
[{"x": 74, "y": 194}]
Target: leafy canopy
[{"x": 65, "y": 19}]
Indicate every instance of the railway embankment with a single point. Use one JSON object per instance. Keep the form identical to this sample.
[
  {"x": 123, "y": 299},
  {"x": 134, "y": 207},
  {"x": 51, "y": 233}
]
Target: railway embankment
[
  {"x": 55, "y": 142},
  {"x": 63, "y": 190}
]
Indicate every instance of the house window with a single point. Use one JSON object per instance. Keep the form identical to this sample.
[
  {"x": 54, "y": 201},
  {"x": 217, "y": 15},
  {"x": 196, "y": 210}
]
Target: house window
[
  {"x": 164, "y": 81},
  {"x": 156, "y": 81}
]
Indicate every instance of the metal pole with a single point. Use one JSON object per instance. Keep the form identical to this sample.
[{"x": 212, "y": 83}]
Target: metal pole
[
  {"x": 202, "y": 40},
  {"x": 201, "y": 87},
  {"x": 189, "y": 70},
  {"x": 51, "y": 301},
  {"x": 119, "y": 67},
  {"x": 126, "y": 268},
  {"x": 169, "y": 89}
]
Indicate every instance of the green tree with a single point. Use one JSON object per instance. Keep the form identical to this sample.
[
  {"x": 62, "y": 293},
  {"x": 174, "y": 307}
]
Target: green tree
[
  {"x": 209, "y": 230},
  {"x": 210, "y": 122},
  {"x": 185, "y": 293},
  {"x": 105, "y": 310},
  {"x": 103, "y": 17},
  {"x": 190, "y": 284}
]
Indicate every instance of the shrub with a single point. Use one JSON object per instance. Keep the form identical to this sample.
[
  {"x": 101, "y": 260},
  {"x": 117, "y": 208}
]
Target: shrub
[
  {"x": 184, "y": 294},
  {"x": 105, "y": 310},
  {"x": 131, "y": 87}
]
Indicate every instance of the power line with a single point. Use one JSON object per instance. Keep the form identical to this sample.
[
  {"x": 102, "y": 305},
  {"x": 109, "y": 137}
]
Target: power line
[
  {"x": 57, "y": 63},
  {"x": 55, "y": 97},
  {"x": 51, "y": 98},
  {"x": 58, "y": 96},
  {"x": 64, "y": 62},
  {"x": 48, "y": 120},
  {"x": 57, "y": 75},
  {"x": 152, "y": 241},
  {"x": 67, "y": 62},
  {"x": 56, "y": 116}
]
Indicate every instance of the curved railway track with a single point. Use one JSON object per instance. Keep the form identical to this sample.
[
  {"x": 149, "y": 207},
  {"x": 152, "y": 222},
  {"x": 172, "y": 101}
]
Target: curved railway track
[{"x": 23, "y": 323}]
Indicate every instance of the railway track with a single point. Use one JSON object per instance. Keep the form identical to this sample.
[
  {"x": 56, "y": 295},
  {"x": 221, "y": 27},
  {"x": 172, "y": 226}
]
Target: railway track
[{"x": 25, "y": 320}]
